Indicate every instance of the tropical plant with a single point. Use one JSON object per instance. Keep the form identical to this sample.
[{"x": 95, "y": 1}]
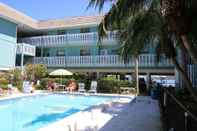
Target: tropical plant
[
  {"x": 35, "y": 72},
  {"x": 141, "y": 22},
  {"x": 179, "y": 15}
]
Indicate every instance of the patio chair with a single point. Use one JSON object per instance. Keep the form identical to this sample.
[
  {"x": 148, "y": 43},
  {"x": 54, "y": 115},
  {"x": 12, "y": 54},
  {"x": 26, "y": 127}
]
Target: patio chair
[
  {"x": 81, "y": 88},
  {"x": 27, "y": 87},
  {"x": 93, "y": 87}
]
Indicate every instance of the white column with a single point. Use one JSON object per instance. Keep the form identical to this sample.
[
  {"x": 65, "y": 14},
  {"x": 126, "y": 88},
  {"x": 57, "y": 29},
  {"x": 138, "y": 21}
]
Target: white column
[
  {"x": 148, "y": 78},
  {"x": 97, "y": 75},
  {"x": 137, "y": 74},
  {"x": 22, "y": 59}
]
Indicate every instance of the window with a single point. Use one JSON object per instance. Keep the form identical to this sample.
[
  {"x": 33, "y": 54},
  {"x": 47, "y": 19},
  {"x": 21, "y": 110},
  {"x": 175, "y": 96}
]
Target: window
[
  {"x": 46, "y": 52},
  {"x": 84, "y": 52},
  {"x": 61, "y": 32},
  {"x": 115, "y": 51},
  {"x": 84, "y": 30},
  {"x": 38, "y": 52},
  {"x": 104, "y": 52},
  {"x": 60, "y": 52}
]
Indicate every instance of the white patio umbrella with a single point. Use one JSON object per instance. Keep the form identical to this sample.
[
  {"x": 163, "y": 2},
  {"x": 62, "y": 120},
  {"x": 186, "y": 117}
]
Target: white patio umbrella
[{"x": 61, "y": 72}]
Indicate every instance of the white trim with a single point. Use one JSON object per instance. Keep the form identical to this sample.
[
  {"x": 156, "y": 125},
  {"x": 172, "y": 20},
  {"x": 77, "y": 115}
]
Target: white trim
[{"x": 6, "y": 68}]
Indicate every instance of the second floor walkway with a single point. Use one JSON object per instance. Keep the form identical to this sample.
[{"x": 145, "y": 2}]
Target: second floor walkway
[
  {"x": 145, "y": 61},
  {"x": 69, "y": 39}
]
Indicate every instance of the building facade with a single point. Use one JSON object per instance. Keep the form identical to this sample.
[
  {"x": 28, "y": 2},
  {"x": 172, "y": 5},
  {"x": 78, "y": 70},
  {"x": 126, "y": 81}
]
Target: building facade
[
  {"x": 70, "y": 43},
  {"x": 8, "y": 38}
]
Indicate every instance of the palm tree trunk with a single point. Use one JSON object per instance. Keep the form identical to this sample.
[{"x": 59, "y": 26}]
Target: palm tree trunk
[
  {"x": 190, "y": 49},
  {"x": 186, "y": 79},
  {"x": 171, "y": 10}
]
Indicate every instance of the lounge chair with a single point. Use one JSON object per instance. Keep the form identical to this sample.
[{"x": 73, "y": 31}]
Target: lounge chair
[
  {"x": 93, "y": 87},
  {"x": 81, "y": 87},
  {"x": 27, "y": 87}
]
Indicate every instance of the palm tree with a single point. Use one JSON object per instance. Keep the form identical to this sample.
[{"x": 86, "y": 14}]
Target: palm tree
[
  {"x": 179, "y": 14},
  {"x": 180, "y": 17},
  {"x": 141, "y": 22}
]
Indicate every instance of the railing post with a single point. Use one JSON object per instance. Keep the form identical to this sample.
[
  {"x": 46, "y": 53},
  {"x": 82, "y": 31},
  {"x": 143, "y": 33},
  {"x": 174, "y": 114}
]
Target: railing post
[
  {"x": 186, "y": 121},
  {"x": 165, "y": 98}
]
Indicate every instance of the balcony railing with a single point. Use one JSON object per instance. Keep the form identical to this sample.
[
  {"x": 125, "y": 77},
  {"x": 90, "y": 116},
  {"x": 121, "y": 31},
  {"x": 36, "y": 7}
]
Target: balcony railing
[
  {"x": 26, "y": 49},
  {"x": 74, "y": 39},
  {"x": 101, "y": 61}
]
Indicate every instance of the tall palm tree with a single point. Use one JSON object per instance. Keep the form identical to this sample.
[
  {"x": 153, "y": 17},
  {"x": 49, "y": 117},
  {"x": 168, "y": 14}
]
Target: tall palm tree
[{"x": 141, "y": 22}]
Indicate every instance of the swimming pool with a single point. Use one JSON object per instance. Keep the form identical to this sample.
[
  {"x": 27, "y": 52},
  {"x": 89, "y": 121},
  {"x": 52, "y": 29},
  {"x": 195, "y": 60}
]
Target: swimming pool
[{"x": 34, "y": 112}]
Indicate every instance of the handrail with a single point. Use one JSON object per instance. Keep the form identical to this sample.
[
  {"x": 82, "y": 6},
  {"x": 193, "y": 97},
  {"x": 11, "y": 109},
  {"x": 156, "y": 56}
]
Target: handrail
[
  {"x": 145, "y": 60},
  {"x": 181, "y": 105},
  {"x": 62, "y": 39}
]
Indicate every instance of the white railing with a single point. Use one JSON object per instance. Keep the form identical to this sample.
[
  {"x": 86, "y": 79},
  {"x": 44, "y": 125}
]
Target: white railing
[
  {"x": 55, "y": 40},
  {"x": 26, "y": 49},
  {"x": 192, "y": 72},
  {"x": 145, "y": 60}
]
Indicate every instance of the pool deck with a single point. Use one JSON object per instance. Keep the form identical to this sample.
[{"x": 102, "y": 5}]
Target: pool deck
[{"x": 141, "y": 114}]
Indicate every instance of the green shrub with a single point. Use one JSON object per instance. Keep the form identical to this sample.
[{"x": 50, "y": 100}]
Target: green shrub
[
  {"x": 43, "y": 84},
  {"x": 112, "y": 85},
  {"x": 108, "y": 86},
  {"x": 35, "y": 71},
  {"x": 39, "y": 87},
  {"x": 4, "y": 87},
  {"x": 19, "y": 85},
  {"x": 125, "y": 83},
  {"x": 4, "y": 81}
]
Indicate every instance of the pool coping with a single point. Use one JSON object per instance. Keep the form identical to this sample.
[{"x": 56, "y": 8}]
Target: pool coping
[
  {"x": 21, "y": 95},
  {"x": 95, "y": 94}
]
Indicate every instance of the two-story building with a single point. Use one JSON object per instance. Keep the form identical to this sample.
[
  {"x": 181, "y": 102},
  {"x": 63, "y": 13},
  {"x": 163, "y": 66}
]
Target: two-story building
[{"x": 69, "y": 43}]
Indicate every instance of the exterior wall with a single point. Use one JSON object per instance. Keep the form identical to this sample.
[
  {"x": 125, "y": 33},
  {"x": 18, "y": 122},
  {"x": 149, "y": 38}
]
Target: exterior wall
[
  {"x": 71, "y": 31},
  {"x": 7, "y": 44},
  {"x": 75, "y": 50}
]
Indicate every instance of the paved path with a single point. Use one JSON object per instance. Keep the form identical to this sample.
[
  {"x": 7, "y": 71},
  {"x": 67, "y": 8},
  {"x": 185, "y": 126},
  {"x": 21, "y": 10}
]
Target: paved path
[{"x": 142, "y": 115}]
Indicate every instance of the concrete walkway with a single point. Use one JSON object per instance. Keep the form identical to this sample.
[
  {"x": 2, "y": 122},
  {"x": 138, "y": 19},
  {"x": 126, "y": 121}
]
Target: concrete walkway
[{"x": 140, "y": 115}]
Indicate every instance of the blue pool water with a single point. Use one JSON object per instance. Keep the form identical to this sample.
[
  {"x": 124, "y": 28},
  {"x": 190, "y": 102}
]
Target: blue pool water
[{"x": 32, "y": 113}]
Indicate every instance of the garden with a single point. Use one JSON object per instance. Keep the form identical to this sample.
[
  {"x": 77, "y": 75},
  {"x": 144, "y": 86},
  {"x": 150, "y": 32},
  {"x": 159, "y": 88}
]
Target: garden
[{"x": 39, "y": 75}]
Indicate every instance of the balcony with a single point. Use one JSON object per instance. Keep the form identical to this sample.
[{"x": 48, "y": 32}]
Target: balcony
[
  {"x": 145, "y": 60},
  {"x": 26, "y": 49},
  {"x": 69, "y": 39}
]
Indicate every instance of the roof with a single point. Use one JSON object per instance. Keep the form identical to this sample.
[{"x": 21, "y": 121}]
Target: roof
[
  {"x": 70, "y": 22},
  {"x": 26, "y": 22}
]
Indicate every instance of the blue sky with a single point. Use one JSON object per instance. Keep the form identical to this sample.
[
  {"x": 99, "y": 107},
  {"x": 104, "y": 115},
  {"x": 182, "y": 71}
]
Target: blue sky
[{"x": 51, "y": 9}]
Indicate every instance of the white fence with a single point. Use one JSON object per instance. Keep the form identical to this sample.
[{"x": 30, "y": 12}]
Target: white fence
[
  {"x": 192, "y": 72},
  {"x": 26, "y": 49},
  {"x": 145, "y": 60},
  {"x": 55, "y": 40}
]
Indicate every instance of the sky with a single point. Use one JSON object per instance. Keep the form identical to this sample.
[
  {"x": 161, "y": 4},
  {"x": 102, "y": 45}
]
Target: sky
[{"x": 53, "y": 9}]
